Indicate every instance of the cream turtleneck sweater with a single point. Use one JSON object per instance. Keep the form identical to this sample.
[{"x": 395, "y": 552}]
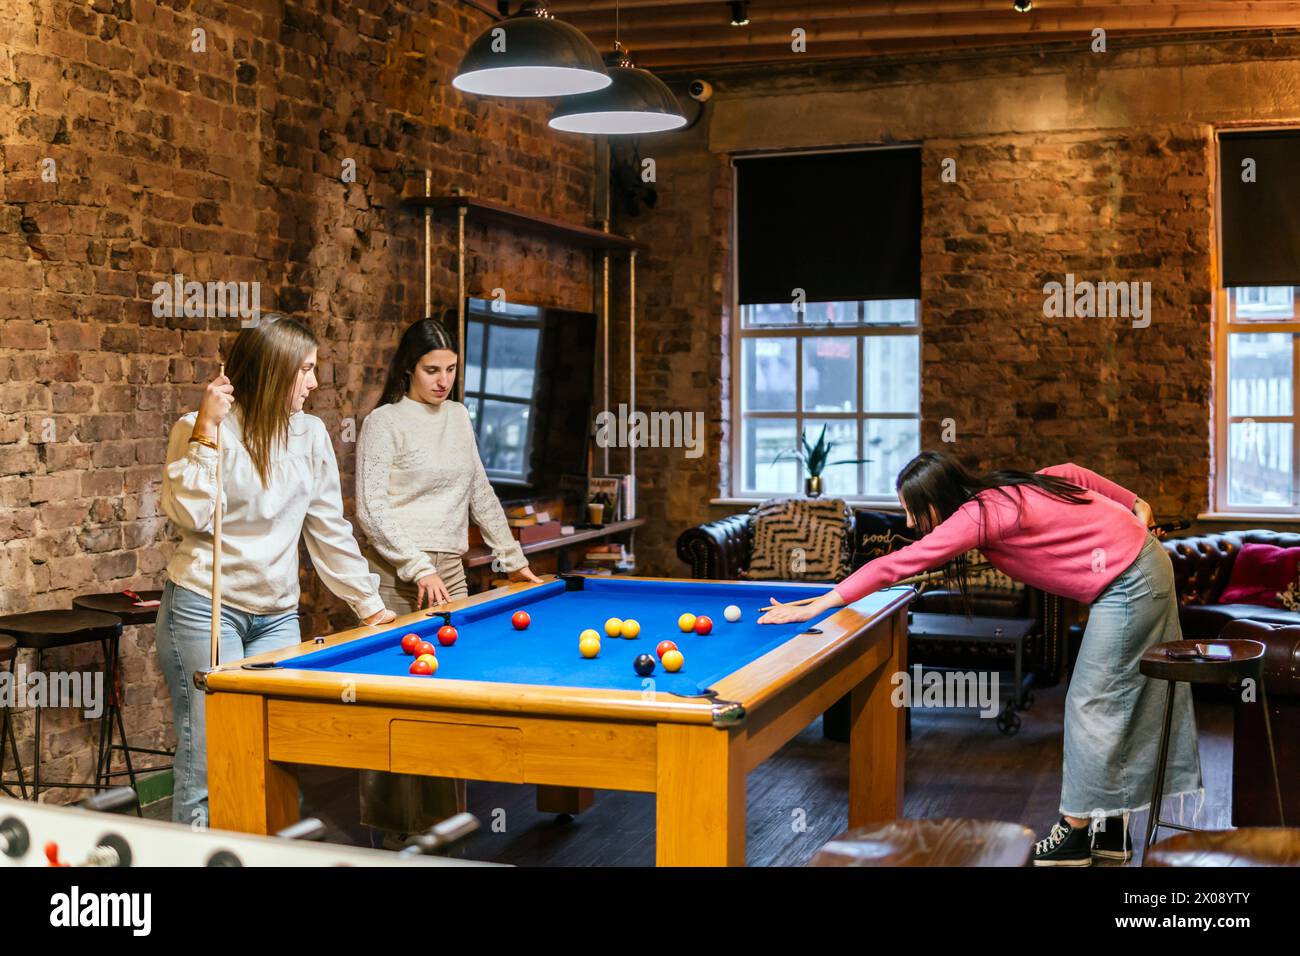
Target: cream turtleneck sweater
[{"x": 419, "y": 480}]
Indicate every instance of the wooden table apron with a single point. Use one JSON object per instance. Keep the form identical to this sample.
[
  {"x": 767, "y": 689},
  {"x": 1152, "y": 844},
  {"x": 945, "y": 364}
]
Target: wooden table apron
[{"x": 693, "y": 755}]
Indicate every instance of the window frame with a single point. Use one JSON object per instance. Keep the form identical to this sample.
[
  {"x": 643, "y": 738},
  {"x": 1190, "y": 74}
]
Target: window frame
[
  {"x": 798, "y": 332},
  {"x": 487, "y": 319},
  {"x": 1224, "y": 327}
]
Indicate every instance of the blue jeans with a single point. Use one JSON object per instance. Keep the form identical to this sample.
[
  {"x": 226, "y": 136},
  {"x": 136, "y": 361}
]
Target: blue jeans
[
  {"x": 184, "y": 640},
  {"x": 1113, "y": 714}
]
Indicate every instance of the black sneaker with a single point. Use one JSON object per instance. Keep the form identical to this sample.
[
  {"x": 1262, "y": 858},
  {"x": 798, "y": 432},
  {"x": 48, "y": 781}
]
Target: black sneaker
[
  {"x": 1112, "y": 840},
  {"x": 1064, "y": 846}
]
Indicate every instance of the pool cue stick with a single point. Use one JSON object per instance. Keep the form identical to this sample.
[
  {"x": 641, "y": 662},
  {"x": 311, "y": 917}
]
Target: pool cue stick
[
  {"x": 921, "y": 578},
  {"x": 216, "y": 554}
]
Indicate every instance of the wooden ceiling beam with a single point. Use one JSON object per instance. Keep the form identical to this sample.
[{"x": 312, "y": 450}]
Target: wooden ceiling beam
[
  {"x": 1148, "y": 17},
  {"x": 680, "y": 61},
  {"x": 768, "y": 10}
]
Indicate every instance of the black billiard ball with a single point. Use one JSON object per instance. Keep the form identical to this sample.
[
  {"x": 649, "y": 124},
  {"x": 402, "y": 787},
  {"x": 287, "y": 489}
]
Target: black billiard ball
[{"x": 644, "y": 665}]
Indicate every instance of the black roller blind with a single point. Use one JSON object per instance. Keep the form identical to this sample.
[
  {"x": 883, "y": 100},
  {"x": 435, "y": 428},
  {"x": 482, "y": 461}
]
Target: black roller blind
[
  {"x": 841, "y": 226},
  {"x": 1260, "y": 220}
]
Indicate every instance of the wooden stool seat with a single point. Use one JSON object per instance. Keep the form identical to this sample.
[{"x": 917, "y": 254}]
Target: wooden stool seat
[
  {"x": 1246, "y": 663},
  {"x": 43, "y": 630},
  {"x": 1252, "y": 846},
  {"x": 125, "y": 608},
  {"x": 929, "y": 843}
]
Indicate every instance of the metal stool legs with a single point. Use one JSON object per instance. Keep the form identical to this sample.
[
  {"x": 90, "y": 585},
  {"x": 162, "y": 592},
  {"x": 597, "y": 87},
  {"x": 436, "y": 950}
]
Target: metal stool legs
[
  {"x": 9, "y": 745},
  {"x": 1272, "y": 756},
  {"x": 1158, "y": 785},
  {"x": 1157, "y": 790}
]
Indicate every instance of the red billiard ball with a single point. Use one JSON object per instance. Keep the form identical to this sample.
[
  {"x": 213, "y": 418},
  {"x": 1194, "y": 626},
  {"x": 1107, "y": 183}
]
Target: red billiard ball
[
  {"x": 521, "y": 620},
  {"x": 663, "y": 648},
  {"x": 421, "y": 668},
  {"x": 703, "y": 625},
  {"x": 447, "y": 635},
  {"x": 409, "y": 642},
  {"x": 423, "y": 647}
]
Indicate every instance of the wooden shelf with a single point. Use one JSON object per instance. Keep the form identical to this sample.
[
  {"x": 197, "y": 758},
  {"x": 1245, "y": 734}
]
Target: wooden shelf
[
  {"x": 481, "y": 554},
  {"x": 498, "y": 214}
]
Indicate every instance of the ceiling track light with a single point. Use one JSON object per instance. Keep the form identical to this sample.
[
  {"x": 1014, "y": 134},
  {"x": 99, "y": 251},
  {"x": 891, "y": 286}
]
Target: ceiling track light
[
  {"x": 531, "y": 54},
  {"x": 740, "y": 13},
  {"x": 1022, "y": 6}
]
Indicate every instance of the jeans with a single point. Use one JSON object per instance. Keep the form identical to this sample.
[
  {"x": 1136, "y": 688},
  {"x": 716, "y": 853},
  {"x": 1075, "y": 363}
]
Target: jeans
[
  {"x": 1113, "y": 714},
  {"x": 184, "y": 641}
]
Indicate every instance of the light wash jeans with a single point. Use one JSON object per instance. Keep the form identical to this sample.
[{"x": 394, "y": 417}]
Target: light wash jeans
[
  {"x": 184, "y": 640},
  {"x": 1113, "y": 714}
]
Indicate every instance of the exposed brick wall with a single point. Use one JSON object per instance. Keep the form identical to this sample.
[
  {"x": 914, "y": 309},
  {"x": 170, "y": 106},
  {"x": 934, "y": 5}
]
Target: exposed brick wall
[
  {"x": 223, "y": 165},
  {"x": 1067, "y": 161}
]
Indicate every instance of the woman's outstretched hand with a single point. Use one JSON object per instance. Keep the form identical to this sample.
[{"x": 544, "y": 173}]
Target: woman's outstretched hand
[
  {"x": 787, "y": 613},
  {"x": 380, "y": 617},
  {"x": 525, "y": 574}
]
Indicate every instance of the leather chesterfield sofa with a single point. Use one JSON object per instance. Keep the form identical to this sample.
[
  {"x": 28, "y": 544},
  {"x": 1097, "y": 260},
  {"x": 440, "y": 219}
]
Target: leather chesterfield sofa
[{"x": 1202, "y": 569}]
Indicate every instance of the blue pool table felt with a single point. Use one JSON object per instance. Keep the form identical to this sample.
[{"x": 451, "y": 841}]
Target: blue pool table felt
[{"x": 490, "y": 649}]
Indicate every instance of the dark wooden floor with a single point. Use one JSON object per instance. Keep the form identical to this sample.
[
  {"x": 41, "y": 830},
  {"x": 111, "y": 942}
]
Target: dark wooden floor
[{"x": 958, "y": 765}]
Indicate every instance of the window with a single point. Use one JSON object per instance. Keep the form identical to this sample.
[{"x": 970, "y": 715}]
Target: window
[
  {"x": 843, "y": 353},
  {"x": 502, "y": 350},
  {"x": 1257, "y": 350}
]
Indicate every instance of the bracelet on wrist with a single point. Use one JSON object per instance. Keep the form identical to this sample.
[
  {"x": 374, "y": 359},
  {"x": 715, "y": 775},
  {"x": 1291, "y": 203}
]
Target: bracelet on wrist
[{"x": 204, "y": 440}]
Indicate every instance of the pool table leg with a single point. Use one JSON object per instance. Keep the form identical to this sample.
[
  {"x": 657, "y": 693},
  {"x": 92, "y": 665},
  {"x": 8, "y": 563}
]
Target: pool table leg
[
  {"x": 247, "y": 791},
  {"x": 570, "y": 800},
  {"x": 877, "y": 747},
  {"x": 700, "y": 797}
]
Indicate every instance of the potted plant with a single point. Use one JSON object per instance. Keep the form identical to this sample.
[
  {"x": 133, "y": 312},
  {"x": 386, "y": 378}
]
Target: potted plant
[{"x": 814, "y": 457}]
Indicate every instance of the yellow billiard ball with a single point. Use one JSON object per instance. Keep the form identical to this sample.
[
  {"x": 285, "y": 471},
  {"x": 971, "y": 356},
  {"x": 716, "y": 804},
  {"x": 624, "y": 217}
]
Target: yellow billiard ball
[
  {"x": 630, "y": 629},
  {"x": 431, "y": 661},
  {"x": 673, "y": 661},
  {"x": 686, "y": 622},
  {"x": 613, "y": 626},
  {"x": 589, "y": 646},
  {"x": 590, "y": 632}
]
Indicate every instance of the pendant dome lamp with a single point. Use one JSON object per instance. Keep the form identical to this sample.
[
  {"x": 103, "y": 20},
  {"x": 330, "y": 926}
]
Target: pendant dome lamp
[
  {"x": 635, "y": 102},
  {"x": 531, "y": 54}
]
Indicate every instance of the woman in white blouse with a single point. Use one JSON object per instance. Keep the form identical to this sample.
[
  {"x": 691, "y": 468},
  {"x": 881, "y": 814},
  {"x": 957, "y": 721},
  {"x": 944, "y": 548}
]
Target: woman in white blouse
[
  {"x": 419, "y": 481},
  {"x": 280, "y": 483}
]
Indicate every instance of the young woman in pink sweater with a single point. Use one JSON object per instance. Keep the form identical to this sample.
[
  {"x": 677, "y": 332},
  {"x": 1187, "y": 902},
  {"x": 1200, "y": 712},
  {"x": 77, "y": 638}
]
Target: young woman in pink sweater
[{"x": 1071, "y": 532}]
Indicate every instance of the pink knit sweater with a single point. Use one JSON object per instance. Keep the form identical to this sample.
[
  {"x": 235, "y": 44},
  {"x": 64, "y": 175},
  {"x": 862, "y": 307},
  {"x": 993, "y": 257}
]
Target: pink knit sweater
[{"x": 1071, "y": 550}]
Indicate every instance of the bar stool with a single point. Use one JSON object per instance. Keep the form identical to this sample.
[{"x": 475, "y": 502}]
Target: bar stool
[
  {"x": 44, "y": 630},
  {"x": 8, "y": 652},
  {"x": 1162, "y": 663},
  {"x": 1249, "y": 846},
  {"x": 125, "y": 605},
  {"x": 929, "y": 843}
]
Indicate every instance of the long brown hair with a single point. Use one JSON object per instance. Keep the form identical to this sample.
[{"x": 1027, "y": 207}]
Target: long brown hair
[
  {"x": 935, "y": 480},
  {"x": 263, "y": 366}
]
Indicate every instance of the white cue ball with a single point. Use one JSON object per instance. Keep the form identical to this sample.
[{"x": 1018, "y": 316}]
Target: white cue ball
[{"x": 732, "y": 613}]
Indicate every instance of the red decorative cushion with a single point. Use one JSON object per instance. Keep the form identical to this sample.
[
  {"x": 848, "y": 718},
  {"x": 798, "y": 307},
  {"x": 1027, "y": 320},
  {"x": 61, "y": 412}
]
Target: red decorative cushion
[{"x": 1260, "y": 573}]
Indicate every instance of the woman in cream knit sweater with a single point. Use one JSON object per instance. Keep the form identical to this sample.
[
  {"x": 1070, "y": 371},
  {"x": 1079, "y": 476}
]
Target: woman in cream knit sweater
[{"x": 419, "y": 481}]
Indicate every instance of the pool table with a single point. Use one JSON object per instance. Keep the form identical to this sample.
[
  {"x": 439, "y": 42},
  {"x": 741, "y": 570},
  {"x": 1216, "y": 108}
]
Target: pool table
[{"x": 523, "y": 706}]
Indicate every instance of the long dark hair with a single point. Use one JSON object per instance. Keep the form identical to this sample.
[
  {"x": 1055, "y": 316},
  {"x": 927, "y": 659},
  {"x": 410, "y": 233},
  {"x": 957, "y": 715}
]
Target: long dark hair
[
  {"x": 934, "y": 480},
  {"x": 423, "y": 337}
]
